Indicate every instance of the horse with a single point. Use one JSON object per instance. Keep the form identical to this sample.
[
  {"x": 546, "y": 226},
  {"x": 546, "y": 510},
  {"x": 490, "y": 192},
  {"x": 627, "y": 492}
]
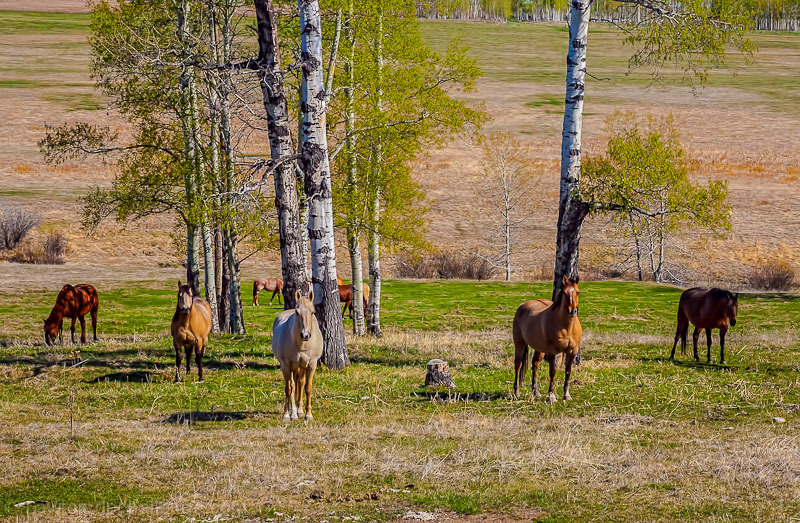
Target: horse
[
  {"x": 706, "y": 310},
  {"x": 74, "y": 303},
  {"x": 191, "y": 324},
  {"x": 550, "y": 329},
  {"x": 271, "y": 284},
  {"x": 297, "y": 345},
  {"x": 346, "y": 296}
]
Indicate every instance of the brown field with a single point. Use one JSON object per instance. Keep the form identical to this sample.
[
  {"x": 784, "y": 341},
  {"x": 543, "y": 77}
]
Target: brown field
[{"x": 742, "y": 127}]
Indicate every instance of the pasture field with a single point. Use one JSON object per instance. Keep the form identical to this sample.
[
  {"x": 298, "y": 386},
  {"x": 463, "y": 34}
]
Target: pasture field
[{"x": 643, "y": 439}]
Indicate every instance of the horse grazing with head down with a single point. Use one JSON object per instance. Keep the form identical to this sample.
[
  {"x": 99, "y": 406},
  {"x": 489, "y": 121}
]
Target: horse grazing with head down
[
  {"x": 297, "y": 345},
  {"x": 706, "y": 310},
  {"x": 551, "y": 329},
  {"x": 270, "y": 284},
  {"x": 346, "y": 296},
  {"x": 191, "y": 324},
  {"x": 74, "y": 303}
]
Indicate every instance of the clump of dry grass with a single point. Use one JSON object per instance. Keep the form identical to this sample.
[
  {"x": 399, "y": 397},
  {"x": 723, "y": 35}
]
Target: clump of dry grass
[
  {"x": 445, "y": 265},
  {"x": 772, "y": 275},
  {"x": 15, "y": 224},
  {"x": 49, "y": 250}
]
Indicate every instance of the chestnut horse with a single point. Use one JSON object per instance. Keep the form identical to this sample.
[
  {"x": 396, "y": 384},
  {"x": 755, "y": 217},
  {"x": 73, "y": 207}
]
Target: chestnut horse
[
  {"x": 270, "y": 284},
  {"x": 346, "y": 296},
  {"x": 297, "y": 345},
  {"x": 551, "y": 329},
  {"x": 706, "y": 310},
  {"x": 191, "y": 324},
  {"x": 74, "y": 303}
]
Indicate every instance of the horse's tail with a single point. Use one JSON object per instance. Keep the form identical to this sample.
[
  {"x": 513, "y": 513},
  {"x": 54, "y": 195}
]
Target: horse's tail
[
  {"x": 682, "y": 329},
  {"x": 519, "y": 341},
  {"x": 524, "y": 369}
]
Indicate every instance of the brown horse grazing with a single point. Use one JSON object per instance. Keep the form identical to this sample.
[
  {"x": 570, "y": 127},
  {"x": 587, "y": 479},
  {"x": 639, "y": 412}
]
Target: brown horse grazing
[
  {"x": 551, "y": 329},
  {"x": 191, "y": 324},
  {"x": 270, "y": 284},
  {"x": 706, "y": 310},
  {"x": 346, "y": 297},
  {"x": 297, "y": 345},
  {"x": 74, "y": 303}
]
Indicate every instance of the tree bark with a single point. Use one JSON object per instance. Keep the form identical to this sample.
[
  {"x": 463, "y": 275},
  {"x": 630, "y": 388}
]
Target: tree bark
[
  {"x": 273, "y": 90},
  {"x": 571, "y": 210},
  {"x": 315, "y": 165},
  {"x": 236, "y": 313},
  {"x": 374, "y": 243},
  {"x": 224, "y": 289},
  {"x": 353, "y": 240}
]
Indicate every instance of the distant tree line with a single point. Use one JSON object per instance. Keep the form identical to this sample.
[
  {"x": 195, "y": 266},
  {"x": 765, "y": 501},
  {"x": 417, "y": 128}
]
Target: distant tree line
[{"x": 767, "y": 15}]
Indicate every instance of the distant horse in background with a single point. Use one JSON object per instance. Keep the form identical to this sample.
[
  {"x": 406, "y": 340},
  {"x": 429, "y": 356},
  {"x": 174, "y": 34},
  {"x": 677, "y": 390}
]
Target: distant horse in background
[
  {"x": 706, "y": 310},
  {"x": 346, "y": 296},
  {"x": 191, "y": 324},
  {"x": 297, "y": 345},
  {"x": 74, "y": 303},
  {"x": 551, "y": 329},
  {"x": 270, "y": 284}
]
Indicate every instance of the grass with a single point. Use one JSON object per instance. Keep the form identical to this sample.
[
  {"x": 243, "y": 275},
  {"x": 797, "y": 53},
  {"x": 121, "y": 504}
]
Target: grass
[
  {"x": 644, "y": 438},
  {"x": 31, "y": 22}
]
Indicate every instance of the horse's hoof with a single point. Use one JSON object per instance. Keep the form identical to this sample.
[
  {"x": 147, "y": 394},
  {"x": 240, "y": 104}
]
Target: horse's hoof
[
  {"x": 552, "y": 399},
  {"x": 723, "y": 362},
  {"x": 200, "y": 380},
  {"x": 286, "y": 418},
  {"x": 567, "y": 397},
  {"x": 309, "y": 417},
  {"x": 708, "y": 362}
]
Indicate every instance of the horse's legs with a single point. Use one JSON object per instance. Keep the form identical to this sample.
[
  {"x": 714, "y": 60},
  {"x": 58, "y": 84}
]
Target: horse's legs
[
  {"x": 520, "y": 363},
  {"x": 83, "y": 330},
  {"x": 189, "y": 349},
  {"x": 308, "y": 378},
  {"x": 273, "y": 296},
  {"x": 722, "y": 332},
  {"x": 680, "y": 333},
  {"x": 61, "y": 331},
  {"x": 177, "y": 362},
  {"x": 72, "y": 330},
  {"x": 695, "y": 337},
  {"x": 198, "y": 358},
  {"x": 287, "y": 392},
  {"x": 300, "y": 384},
  {"x": 255, "y": 298},
  {"x": 568, "y": 359},
  {"x": 708, "y": 342},
  {"x": 94, "y": 323},
  {"x": 537, "y": 360},
  {"x": 551, "y": 362}
]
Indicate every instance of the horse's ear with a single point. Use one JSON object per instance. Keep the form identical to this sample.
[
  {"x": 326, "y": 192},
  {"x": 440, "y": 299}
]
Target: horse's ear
[
  {"x": 179, "y": 284},
  {"x": 736, "y": 297},
  {"x": 44, "y": 320},
  {"x": 577, "y": 279},
  {"x": 297, "y": 295},
  {"x": 564, "y": 279},
  {"x": 311, "y": 295}
]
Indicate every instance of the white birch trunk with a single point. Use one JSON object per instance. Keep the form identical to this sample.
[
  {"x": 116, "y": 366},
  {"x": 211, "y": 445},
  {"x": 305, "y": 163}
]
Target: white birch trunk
[
  {"x": 571, "y": 210},
  {"x": 374, "y": 243},
  {"x": 316, "y": 168}
]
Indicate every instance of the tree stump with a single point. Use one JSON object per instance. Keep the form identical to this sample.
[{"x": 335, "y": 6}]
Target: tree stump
[{"x": 438, "y": 375}]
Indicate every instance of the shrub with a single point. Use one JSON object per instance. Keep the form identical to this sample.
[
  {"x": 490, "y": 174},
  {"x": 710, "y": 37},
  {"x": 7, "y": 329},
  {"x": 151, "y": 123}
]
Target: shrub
[
  {"x": 15, "y": 224},
  {"x": 772, "y": 275},
  {"x": 49, "y": 250},
  {"x": 445, "y": 265}
]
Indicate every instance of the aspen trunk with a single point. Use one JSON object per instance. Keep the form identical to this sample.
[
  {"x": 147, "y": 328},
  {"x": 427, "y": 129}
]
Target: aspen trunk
[
  {"x": 236, "y": 315},
  {"x": 315, "y": 165},
  {"x": 273, "y": 90},
  {"x": 374, "y": 243},
  {"x": 571, "y": 210},
  {"x": 224, "y": 288},
  {"x": 353, "y": 241}
]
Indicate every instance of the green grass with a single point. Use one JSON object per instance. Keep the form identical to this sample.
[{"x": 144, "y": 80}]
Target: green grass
[{"x": 31, "y": 22}]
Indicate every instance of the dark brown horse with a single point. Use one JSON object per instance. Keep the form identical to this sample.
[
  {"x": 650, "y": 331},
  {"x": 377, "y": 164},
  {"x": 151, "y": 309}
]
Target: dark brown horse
[
  {"x": 346, "y": 296},
  {"x": 270, "y": 284},
  {"x": 74, "y": 303},
  {"x": 706, "y": 310},
  {"x": 191, "y": 324}
]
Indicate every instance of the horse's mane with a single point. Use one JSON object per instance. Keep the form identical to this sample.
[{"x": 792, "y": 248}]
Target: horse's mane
[{"x": 721, "y": 294}]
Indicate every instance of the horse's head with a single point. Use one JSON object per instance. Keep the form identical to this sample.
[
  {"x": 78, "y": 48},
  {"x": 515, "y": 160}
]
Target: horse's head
[
  {"x": 184, "y": 298},
  {"x": 732, "y": 309},
  {"x": 50, "y": 332},
  {"x": 304, "y": 313},
  {"x": 570, "y": 295}
]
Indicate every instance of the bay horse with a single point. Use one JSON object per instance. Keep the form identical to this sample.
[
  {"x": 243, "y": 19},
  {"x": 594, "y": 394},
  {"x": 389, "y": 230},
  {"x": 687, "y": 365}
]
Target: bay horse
[
  {"x": 270, "y": 284},
  {"x": 297, "y": 345},
  {"x": 191, "y": 324},
  {"x": 550, "y": 329},
  {"x": 706, "y": 310},
  {"x": 74, "y": 303},
  {"x": 346, "y": 296}
]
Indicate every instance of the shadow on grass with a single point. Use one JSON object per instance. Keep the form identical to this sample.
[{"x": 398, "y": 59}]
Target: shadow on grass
[
  {"x": 41, "y": 364},
  {"x": 189, "y": 418},
  {"x": 689, "y": 364},
  {"x": 137, "y": 376},
  {"x": 460, "y": 396}
]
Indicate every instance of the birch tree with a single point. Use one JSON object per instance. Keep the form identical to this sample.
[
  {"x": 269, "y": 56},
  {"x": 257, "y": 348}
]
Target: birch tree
[{"x": 317, "y": 185}]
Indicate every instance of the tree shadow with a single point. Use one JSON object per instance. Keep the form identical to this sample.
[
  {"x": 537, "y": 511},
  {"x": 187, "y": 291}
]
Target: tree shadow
[
  {"x": 459, "y": 396},
  {"x": 42, "y": 364},
  {"x": 137, "y": 376},
  {"x": 192, "y": 417},
  {"x": 689, "y": 364}
]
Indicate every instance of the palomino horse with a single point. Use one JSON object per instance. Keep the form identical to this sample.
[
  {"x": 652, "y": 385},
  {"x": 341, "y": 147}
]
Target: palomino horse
[
  {"x": 706, "y": 310},
  {"x": 191, "y": 324},
  {"x": 74, "y": 303},
  {"x": 270, "y": 284},
  {"x": 551, "y": 329},
  {"x": 297, "y": 344},
  {"x": 346, "y": 296}
]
